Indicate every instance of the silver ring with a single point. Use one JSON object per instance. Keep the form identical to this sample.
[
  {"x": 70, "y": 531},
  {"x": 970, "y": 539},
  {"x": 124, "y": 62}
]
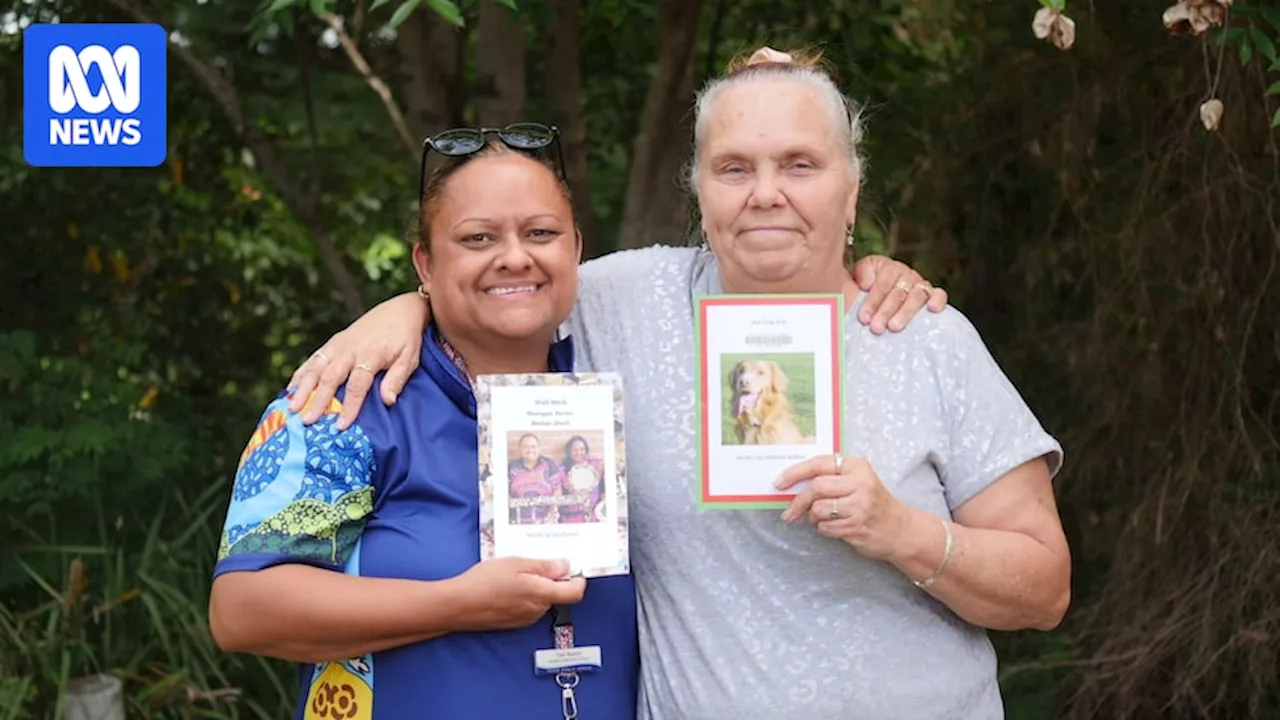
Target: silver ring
[
  {"x": 320, "y": 354},
  {"x": 365, "y": 367},
  {"x": 835, "y": 508}
]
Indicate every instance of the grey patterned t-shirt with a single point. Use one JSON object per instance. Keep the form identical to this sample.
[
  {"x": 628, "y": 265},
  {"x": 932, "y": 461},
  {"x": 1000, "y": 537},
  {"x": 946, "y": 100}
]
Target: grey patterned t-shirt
[{"x": 743, "y": 617}]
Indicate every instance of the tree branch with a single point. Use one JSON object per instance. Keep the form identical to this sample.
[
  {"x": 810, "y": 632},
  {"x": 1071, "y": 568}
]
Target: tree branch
[
  {"x": 265, "y": 153},
  {"x": 306, "y": 45},
  {"x": 375, "y": 82},
  {"x": 357, "y": 20}
]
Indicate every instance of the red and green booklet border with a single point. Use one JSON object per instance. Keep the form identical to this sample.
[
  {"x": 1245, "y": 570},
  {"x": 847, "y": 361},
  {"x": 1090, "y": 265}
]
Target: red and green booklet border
[{"x": 701, "y": 304}]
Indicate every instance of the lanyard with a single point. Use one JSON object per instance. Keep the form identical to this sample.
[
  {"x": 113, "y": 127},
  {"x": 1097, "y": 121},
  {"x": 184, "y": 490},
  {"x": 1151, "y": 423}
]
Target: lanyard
[{"x": 562, "y": 633}]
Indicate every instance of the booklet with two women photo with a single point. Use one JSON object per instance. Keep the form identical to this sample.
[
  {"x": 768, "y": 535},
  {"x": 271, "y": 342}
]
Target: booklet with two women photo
[{"x": 553, "y": 469}]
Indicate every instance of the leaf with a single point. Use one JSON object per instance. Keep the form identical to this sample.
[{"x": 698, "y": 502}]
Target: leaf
[
  {"x": 1271, "y": 14},
  {"x": 1229, "y": 36},
  {"x": 278, "y": 5},
  {"x": 448, "y": 10},
  {"x": 510, "y": 4},
  {"x": 1275, "y": 121},
  {"x": 1263, "y": 44},
  {"x": 1274, "y": 89},
  {"x": 377, "y": 4},
  {"x": 402, "y": 13},
  {"x": 1246, "y": 52}
]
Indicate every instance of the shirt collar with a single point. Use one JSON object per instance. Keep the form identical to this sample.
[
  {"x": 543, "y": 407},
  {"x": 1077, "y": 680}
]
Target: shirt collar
[{"x": 443, "y": 363}]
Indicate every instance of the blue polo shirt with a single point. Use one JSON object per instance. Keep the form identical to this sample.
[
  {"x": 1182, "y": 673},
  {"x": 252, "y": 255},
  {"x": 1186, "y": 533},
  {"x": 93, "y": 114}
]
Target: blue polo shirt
[{"x": 395, "y": 495}]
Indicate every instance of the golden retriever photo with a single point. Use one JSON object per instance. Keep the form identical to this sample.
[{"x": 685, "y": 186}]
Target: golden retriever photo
[{"x": 769, "y": 399}]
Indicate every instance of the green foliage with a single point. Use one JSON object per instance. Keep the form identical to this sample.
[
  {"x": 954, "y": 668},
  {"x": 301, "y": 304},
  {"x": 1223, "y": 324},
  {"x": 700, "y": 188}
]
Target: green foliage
[
  {"x": 1254, "y": 32},
  {"x": 130, "y": 604}
]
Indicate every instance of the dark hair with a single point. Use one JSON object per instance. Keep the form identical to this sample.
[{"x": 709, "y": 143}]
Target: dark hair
[
  {"x": 439, "y": 178},
  {"x": 568, "y": 448},
  {"x": 528, "y": 435}
]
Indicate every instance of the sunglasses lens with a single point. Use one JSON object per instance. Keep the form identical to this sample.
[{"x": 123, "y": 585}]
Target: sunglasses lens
[
  {"x": 457, "y": 142},
  {"x": 526, "y": 136}
]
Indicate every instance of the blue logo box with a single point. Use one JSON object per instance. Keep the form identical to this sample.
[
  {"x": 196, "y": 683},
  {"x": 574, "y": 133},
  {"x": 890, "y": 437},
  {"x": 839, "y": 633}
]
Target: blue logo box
[{"x": 94, "y": 95}]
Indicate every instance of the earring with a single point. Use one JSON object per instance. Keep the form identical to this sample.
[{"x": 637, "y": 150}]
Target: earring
[
  {"x": 422, "y": 292},
  {"x": 848, "y": 236}
]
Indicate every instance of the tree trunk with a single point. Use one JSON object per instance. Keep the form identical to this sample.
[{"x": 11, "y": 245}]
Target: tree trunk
[
  {"x": 429, "y": 53},
  {"x": 264, "y": 152},
  {"x": 656, "y": 209},
  {"x": 499, "y": 92},
  {"x": 564, "y": 97}
]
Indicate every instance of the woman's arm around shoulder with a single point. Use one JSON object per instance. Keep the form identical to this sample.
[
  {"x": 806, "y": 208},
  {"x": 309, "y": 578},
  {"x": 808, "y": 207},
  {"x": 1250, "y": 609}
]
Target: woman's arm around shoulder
[{"x": 389, "y": 337}]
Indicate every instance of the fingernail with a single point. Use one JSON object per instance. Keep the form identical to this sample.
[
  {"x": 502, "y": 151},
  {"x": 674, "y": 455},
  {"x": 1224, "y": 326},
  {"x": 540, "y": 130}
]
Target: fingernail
[
  {"x": 786, "y": 516},
  {"x": 777, "y": 483},
  {"x": 895, "y": 324}
]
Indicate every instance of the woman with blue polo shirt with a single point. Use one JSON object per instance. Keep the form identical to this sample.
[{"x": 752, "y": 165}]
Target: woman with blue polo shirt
[{"x": 355, "y": 552}]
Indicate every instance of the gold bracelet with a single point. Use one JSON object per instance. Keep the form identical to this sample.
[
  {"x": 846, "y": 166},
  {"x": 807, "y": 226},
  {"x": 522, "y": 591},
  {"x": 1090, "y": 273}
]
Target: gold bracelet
[{"x": 946, "y": 558}]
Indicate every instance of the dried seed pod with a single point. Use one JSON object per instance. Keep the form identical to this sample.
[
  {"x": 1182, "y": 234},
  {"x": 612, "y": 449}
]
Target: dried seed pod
[
  {"x": 1195, "y": 17},
  {"x": 1052, "y": 25},
  {"x": 1211, "y": 114}
]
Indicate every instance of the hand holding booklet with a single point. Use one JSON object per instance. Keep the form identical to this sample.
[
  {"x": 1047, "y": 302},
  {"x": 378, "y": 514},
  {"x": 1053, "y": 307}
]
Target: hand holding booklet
[{"x": 552, "y": 470}]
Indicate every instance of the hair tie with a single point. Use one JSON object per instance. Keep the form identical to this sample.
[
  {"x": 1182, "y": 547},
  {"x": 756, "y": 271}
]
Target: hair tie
[{"x": 770, "y": 56}]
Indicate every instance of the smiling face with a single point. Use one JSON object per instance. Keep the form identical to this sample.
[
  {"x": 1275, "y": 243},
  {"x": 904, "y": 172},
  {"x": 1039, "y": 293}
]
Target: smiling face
[
  {"x": 776, "y": 187},
  {"x": 578, "y": 451},
  {"x": 502, "y": 260},
  {"x": 529, "y": 450}
]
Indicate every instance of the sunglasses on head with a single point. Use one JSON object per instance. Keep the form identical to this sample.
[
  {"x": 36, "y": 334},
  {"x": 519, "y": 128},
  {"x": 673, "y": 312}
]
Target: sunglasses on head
[{"x": 460, "y": 142}]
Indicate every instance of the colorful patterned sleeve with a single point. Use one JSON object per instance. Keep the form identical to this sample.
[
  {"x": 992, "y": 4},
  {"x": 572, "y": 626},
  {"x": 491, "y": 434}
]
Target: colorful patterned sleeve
[{"x": 301, "y": 494}]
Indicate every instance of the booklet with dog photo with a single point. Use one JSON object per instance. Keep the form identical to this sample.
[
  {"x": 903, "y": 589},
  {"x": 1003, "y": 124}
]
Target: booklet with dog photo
[
  {"x": 553, "y": 469},
  {"x": 771, "y": 389}
]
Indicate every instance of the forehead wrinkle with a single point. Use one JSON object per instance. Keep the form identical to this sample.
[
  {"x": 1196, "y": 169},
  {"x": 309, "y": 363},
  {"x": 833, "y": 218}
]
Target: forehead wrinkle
[
  {"x": 844, "y": 123},
  {"x": 732, "y": 134}
]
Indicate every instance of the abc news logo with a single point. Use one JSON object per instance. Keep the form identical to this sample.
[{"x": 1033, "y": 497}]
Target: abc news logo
[
  {"x": 94, "y": 95},
  {"x": 69, "y": 89}
]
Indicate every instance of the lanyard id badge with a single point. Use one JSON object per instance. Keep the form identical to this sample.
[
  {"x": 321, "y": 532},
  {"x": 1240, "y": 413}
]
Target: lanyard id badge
[{"x": 565, "y": 660}]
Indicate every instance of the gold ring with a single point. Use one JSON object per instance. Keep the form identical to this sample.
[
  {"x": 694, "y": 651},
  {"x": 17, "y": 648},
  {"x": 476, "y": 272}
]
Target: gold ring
[
  {"x": 903, "y": 286},
  {"x": 835, "y": 508},
  {"x": 365, "y": 367},
  {"x": 926, "y": 287}
]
